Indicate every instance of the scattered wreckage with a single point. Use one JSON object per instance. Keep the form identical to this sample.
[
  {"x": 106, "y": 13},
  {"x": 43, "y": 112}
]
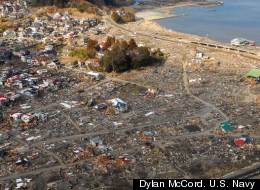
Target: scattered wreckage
[{"x": 27, "y": 119}]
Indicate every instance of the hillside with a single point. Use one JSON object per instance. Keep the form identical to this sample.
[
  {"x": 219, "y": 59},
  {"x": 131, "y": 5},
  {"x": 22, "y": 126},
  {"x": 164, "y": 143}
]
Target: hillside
[{"x": 62, "y": 3}]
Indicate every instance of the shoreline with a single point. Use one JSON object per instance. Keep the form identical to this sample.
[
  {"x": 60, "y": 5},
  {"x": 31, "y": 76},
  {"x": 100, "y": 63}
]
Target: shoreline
[
  {"x": 167, "y": 11},
  {"x": 161, "y": 12},
  {"x": 153, "y": 14}
]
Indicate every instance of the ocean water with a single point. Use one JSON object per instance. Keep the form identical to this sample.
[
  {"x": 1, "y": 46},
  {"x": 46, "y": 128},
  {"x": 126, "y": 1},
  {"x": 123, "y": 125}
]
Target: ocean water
[{"x": 236, "y": 18}]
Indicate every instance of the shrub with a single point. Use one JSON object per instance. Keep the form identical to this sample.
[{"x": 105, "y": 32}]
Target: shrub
[
  {"x": 106, "y": 62},
  {"x": 92, "y": 44},
  {"x": 91, "y": 53},
  {"x": 116, "y": 17},
  {"x": 115, "y": 60},
  {"x": 132, "y": 44},
  {"x": 158, "y": 55},
  {"x": 141, "y": 57},
  {"x": 128, "y": 16},
  {"x": 123, "y": 16},
  {"x": 83, "y": 53},
  {"x": 109, "y": 42}
]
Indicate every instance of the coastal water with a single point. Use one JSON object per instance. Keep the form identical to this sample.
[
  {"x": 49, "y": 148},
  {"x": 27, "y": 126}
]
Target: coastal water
[{"x": 236, "y": 18}]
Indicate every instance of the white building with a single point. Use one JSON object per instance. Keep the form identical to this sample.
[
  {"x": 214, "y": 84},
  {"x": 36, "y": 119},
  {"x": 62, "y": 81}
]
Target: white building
[{"x": 242, "y": 42}]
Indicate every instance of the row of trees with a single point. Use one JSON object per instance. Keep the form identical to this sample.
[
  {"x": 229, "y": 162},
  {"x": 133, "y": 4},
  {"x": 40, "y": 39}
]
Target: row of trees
[
  {"x": 119, "y": 55},
  {"x": 123, "y": 56}
]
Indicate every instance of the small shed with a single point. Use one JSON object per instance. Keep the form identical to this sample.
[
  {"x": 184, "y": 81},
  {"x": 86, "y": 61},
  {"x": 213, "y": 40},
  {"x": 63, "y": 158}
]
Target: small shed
[
  {"x": 226, "y": 126},
  {"x": 254, "y": 73},
  {"x": 240, "y": 141}
]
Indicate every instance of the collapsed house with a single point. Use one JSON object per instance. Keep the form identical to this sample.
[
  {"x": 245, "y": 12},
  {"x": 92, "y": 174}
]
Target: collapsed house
[
  {"x": 119, "y": 104},
  {"x": 27, "y": 119},
  {"x": 116, "y": 103},
  {"x": 13, "y": 9},
  {"x": 5, "y": 55},
  {"x": 95, "y": 75},
  {"x": 244, "y": 140}
]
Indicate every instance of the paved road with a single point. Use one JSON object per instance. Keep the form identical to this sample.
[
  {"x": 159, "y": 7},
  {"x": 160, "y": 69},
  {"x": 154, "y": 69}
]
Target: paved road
[{"x": 245, "y": 173}]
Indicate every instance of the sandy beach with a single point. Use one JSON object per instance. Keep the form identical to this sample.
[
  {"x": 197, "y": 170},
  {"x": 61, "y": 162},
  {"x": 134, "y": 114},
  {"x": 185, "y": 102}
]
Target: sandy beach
[{"x": 162, "y": 12}]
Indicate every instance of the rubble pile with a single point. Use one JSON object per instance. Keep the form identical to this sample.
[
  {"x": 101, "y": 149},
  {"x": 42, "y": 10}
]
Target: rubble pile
[{"x": 14, "y": 9}]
